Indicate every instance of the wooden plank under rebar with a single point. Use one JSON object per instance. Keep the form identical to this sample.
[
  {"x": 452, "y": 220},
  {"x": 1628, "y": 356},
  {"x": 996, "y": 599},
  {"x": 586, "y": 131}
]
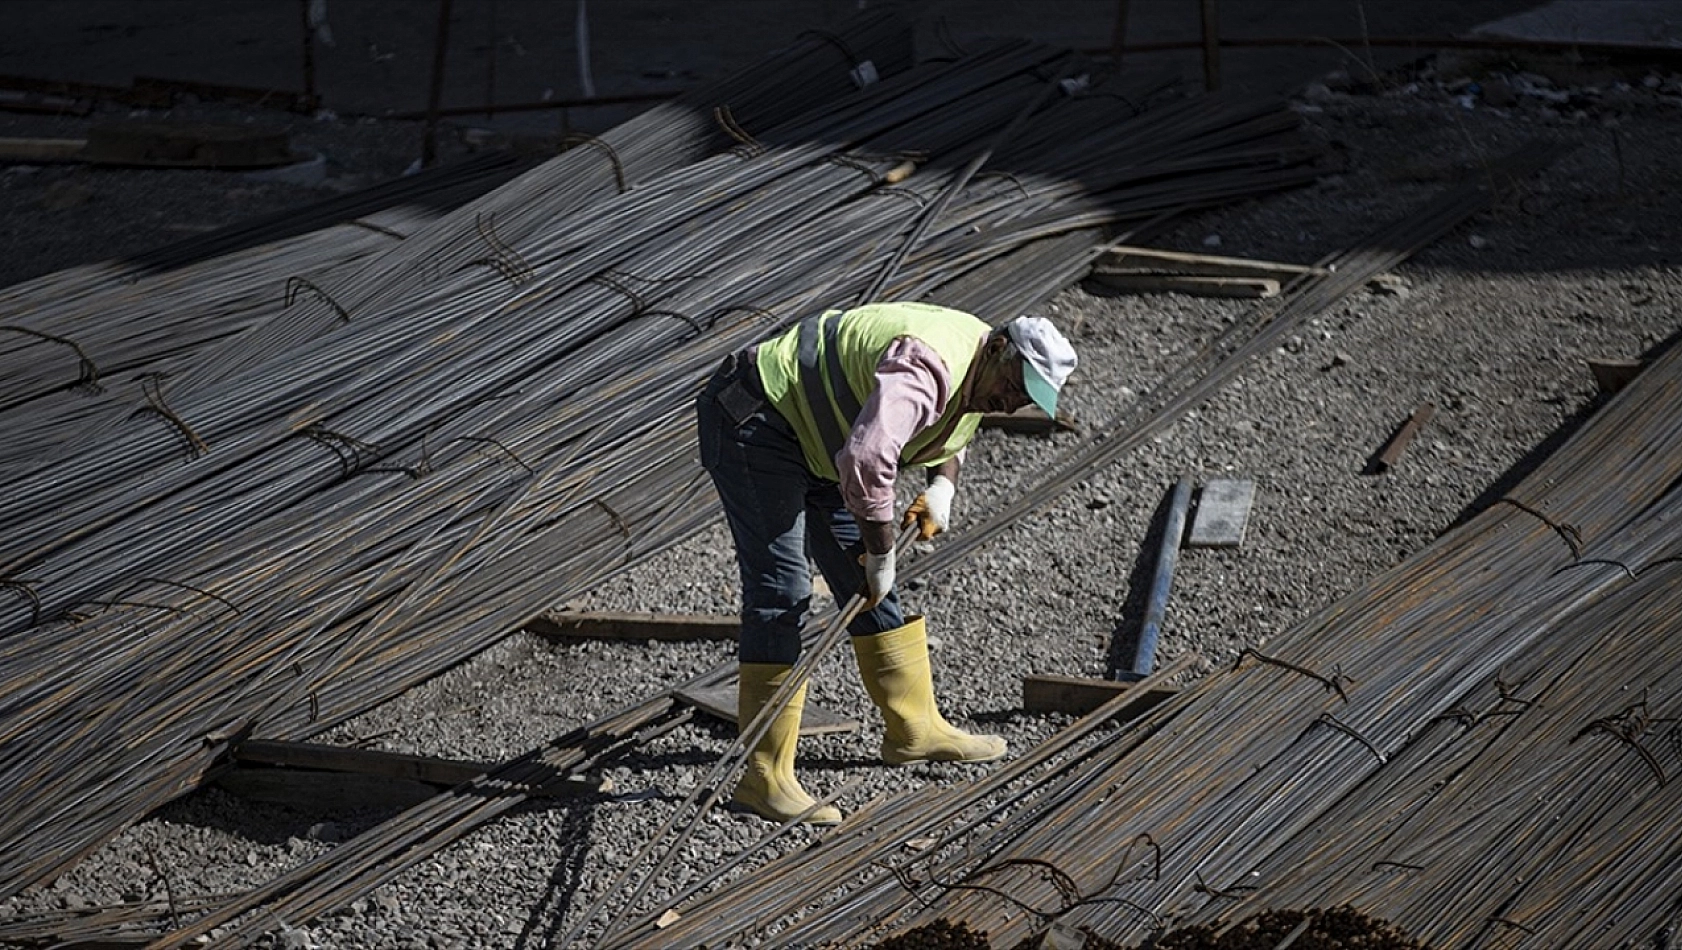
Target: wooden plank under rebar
[
  {"x": 1613, "y": 375},
  {"x": 1133, "y": 260},
  {"x": 1078, "y": 695},
  {"x": 308, "y": 771},
  {"x": 41, "y": 150},
  {"x": 1249, "y": 288},
  {"x": 1030, "y": 420},
  {"x": 310, "y": 755},
  {"x": 632, "y": 625},
  {"x": 720, "y": 702}
]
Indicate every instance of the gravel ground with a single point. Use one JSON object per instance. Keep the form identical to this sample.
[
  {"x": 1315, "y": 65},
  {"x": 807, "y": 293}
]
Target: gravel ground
[{"x": 1491, "y": 324}]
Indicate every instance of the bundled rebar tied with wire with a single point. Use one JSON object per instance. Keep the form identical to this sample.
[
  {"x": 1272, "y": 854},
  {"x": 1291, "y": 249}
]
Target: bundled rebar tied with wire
[
  {"x": 394, "y": 472},
  {"x": 1477, "y": 746}
]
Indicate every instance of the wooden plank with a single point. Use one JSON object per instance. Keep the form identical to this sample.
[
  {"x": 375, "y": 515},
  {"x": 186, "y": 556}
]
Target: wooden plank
[
  {"x": 1247, "y": 288},
  {"x": 368, "y": 776},
  {"x": 720, "y": 701},
  {"x": 1030, "y": 420},
  {"x": 1223, "y": 513},
  {"x": 309, "y": 755},
  {"x": 1135, "y": 260},
  {"x": 1403, "y": 437},
  {"x": 1076, "y": 695},
  {"x": 41, "y": 150},
  {"x": 631, "y": 625},
  {"x": 1613, "y": 375}
]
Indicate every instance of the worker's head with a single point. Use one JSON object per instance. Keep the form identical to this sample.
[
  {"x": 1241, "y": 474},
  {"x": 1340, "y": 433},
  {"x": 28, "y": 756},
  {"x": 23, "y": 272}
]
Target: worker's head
[{"x": 1026, "y": 360}]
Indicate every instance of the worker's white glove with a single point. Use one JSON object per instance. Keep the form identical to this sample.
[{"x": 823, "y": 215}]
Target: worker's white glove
[
  {"x": 932, "y": 511},
  {"x": 878, "y": 577}
]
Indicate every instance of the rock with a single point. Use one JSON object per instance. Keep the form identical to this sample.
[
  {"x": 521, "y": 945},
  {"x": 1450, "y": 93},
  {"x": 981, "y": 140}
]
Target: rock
[
  {"x": 1318, "y": 92},
  {"x": 327, "y": 832}
]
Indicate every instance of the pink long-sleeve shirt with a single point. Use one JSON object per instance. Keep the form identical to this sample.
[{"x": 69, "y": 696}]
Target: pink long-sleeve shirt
[{"x": 912, "y": 389}]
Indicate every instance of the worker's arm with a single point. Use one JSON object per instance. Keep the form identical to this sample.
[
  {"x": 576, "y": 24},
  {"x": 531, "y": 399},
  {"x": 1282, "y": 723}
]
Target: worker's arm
[{"x": 912, "y": 387}]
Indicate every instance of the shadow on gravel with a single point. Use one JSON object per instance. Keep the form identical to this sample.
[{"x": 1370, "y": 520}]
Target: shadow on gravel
[
  {"x": 271, "y": 823},
  {"x": 1531, "y": 460},
  {"x": 543, "y": 923}
]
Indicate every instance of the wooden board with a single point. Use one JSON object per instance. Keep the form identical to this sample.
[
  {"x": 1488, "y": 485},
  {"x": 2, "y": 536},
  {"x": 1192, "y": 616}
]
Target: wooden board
[
  {"x": 627, "y": 625},
  {"x": 1080, "y": 695},
  {"x": 289, "y": 772},
  {"x": 720, "y": 701},
  {"x": 1613, "y": 375},
  {"x": 1134, "y": 259},
  {"x": 309, "y": 755},
  {"x": 1249, "y": 288},
  {"x": 1223, "y": 512},
  {"x": 35, "y": 151},
  {"x": 1031, "y": 420}
]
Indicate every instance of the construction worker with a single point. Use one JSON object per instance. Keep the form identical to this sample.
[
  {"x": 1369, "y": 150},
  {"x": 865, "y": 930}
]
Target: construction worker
[{"x": 804, "y": 436}]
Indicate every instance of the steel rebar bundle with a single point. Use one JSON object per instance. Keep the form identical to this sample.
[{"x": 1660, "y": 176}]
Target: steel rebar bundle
[
  {"x": 1349, "y": 686},
  {"x": 1477, "y": 746}
]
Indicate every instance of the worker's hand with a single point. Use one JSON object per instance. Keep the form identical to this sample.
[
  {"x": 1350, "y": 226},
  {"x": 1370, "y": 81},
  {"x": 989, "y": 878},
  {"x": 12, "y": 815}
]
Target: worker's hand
[
  {"x": 932, "y": 511},
  {"x": 878, "y": 577}
]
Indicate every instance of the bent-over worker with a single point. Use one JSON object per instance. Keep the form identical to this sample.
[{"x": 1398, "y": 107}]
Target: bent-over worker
[{"x": 804, "y": 435}]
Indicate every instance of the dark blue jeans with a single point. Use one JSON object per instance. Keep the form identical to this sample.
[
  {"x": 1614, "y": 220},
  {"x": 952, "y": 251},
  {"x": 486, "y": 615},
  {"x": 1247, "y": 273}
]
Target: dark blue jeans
[{"x": 780, "y": 514}]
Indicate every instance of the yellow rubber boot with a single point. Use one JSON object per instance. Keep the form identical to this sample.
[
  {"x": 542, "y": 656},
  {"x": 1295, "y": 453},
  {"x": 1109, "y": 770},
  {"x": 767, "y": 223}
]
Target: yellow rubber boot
[
  {"x": 768, "y": 786},
  {"x": 895, "y": 667}
]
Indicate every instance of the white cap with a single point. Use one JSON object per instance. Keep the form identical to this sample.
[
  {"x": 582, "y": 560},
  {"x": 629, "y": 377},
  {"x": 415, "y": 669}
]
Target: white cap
[{"x": 1047, "y": 359}]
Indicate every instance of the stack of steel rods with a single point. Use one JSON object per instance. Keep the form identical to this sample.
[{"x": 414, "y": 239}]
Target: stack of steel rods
[
  {"x": 394, "y": 494},
  {"x": 59, "y": 319},
  {"x": 1297, "y": 692},
  {"x": 1353, "y": 738}
]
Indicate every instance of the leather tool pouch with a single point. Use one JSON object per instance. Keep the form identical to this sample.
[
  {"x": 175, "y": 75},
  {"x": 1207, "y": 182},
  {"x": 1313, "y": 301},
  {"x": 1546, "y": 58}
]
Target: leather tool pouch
[{"x": 738, "y": 402}]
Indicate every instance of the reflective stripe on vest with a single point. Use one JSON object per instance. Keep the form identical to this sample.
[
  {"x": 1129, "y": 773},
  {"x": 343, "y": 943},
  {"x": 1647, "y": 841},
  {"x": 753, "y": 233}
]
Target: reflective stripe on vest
[{"x": 827, "y": 410}]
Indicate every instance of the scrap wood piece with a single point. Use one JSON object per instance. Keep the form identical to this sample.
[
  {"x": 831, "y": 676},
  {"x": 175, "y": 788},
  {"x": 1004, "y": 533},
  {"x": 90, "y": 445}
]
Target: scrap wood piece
[
  {"x": 1223, "y": 513},
  {"x": 1403, "y": 437},
  {"x": 1135, "y": 260},
  {"x": 1247, "y": 288},
  {"x": 1078, "y": 695},
  {"x": 289, "y": 772},
  {"x": 1613, "y": 375},
  {"x": 1030, "y": 419},
  {"x": 631, "y": 625},
  {"x": 720, "y": 702},
  {"x": 327, "y": 758},
  {"x": 37, "y": 151}
]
